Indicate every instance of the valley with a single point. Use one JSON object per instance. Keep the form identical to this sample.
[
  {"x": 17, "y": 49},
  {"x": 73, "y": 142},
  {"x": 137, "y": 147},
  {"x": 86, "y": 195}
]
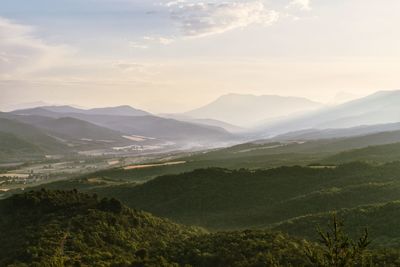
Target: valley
[
  {"x": 190, "y": 133},
  {"x": 217, "y": 182}
]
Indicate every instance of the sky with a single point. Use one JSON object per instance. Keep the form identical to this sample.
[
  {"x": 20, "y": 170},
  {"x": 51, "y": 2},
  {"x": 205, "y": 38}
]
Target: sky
[{"x": 173, "y": 56}]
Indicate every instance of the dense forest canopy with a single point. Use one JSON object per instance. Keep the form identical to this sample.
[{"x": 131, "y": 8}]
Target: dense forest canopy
[{"x": 68, "y": 228}]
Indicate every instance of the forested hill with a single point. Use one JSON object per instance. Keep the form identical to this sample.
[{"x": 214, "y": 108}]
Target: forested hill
[
  {"x": 222, "y": 199},
  {"x": 294, "y": 198},
  {"x": 67, "y": 228},
  {"x": 59, "y": 228}
]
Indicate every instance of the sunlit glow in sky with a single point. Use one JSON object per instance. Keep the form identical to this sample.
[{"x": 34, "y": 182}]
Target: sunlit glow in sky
[{"x": 172, "y": 56}]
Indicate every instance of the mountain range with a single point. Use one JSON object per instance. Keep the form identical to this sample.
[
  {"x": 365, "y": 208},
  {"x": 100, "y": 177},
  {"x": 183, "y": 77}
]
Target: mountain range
[
  {"x": 290, "y": 117},
  {"x": 291, "y": 183},
  {"x": 137, "y": 124},
  {"x": 379, "y": 108},
  {"x": 66, "y": 129},
  {"x": 249, "y": 110},
  {"x": 118, "y": 111}
]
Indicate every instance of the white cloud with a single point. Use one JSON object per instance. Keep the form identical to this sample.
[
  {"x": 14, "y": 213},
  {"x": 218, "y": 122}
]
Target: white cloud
[
  {"x": 128, "y": 66},
  {"x": 22, "y": 52},
  {"x": 173, "y": 3},
  {"x": 138, "y": 45},
  {"x": 302, "y": 4},
  {"x": 148, "y": 41},
  {"x": 203, "y": 18},
  {"x": 158, "y": 40}
]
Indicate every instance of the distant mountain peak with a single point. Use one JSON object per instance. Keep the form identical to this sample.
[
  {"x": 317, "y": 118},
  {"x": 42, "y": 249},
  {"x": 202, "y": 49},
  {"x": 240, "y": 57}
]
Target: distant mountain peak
[
  {"x": 386, "y": 93},
  {"x": 123, "y": 110},
  {"x": 232, "y": 95},
  {"x": 247, "y": 109},
  {"x": 381, "y": 107}
]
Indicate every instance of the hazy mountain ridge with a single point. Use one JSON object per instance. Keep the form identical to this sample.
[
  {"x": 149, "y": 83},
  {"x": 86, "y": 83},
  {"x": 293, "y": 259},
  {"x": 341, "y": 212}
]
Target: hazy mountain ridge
[
  {"x": 32, "y": 135},
  {"x": 380, "y": 108},
  {"x": 247, "y": 110},
  {"x": 69, "y": 124},
  {"x": 315, "y": 134},
  {"x": 209, "y": 122},
  {"x": 124, "y": 110},
  {"x": 15, "y": 149},
  {"x": 76, "y": 129},
  {"x": 69, "y": 133},
  {"x": 180, "y": 132}
]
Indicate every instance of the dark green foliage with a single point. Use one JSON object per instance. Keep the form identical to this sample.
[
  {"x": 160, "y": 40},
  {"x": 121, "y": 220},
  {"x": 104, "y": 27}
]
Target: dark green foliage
[
  {"x": 67, "y": 228},
  {"x": 338, "y": 249},
  {"x": 292, "y": 199},
  {"x": 377, "y": 154},
  {"x": 241, "y": 248},
  {"x": 230, "y": 199},
  {"x": 382, "y": 221},
  {"x": 111, "y": 205},
  {"x": 57, "y": 228}
]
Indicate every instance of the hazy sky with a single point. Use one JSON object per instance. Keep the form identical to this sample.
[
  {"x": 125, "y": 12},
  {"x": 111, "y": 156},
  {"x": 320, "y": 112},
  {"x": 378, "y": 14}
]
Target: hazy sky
[{"x": 169, "y": 56}]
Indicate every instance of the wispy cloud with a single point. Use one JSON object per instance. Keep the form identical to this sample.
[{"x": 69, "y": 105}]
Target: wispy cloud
[
  {"x": 129, "y": 66},
  {"x": 302, "y": 4},
  {"x": 148, "y": 41},
  {"x": 203, "y": 18},
  {"x": 22, "y": 52},
  {"x": 138, "y": 45},
  {"x": 159, "y": 40}
]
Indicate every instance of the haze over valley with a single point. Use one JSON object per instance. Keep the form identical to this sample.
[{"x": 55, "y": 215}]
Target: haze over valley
[{"x": 190, "y": 133}]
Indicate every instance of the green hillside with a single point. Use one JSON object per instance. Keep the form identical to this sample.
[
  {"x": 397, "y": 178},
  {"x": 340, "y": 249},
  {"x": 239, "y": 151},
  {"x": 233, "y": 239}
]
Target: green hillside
[
  {"x": 236, "y": 199},
  {"x": 32, "y": 135},
  {"x": 67, "y": 228},
  {"x": 317, "y": 148},
  {"x": 382, "y": 221},
  {"x": 257, "y": 156},
  {"x": 220, "y": 198},
  {"x": 13, "y": 148},
  {"x": 264, "y": 154},
  {"x": 377, "y": 154},
  {"x": 56, "y": 228},
  {"x": 75, "y": 131}
]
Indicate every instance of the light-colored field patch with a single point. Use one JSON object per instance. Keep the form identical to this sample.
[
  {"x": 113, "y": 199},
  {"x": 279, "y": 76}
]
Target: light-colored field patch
[
  {"x": 137, "y": 138},
  {"x": 134, "y": 138},
  {"x": 133, "y": 167},
  {"x": 259, "y": 148},
  {"x": 14, "y": 175},
  {"x": 112, "y": 162},
  {"x": 323, "y": 167},
  {"x": 102, "y": 181}
]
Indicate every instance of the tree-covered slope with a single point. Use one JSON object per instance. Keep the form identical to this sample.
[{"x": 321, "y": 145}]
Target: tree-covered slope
[
  {"x": 74, "y": 129},
  {"x": 304, "y": 147},
  {"x": 382, "y": 220},
  {"x": 13, "y": 148},
  {"x": 227, "y": 199},
  {"x": 377, "y": 154},
  {"x": 32, "y": 135},
  {"x": 66, "y": 228}
]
